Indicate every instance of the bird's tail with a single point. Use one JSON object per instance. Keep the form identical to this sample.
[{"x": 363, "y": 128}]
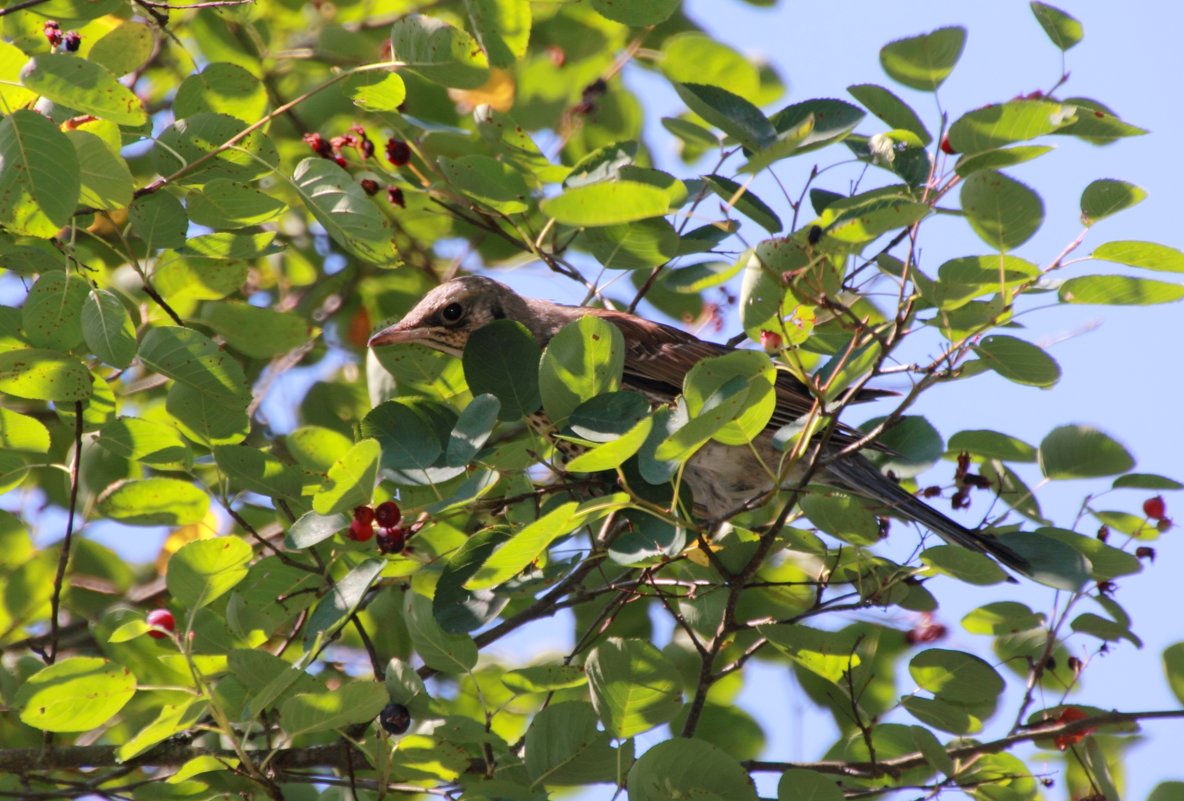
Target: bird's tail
[{"x": 856, "y": 474}]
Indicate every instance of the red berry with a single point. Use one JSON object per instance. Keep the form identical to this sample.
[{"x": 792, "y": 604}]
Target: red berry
[
  {"x": 73, "y": 41},
  {"x": 388, "y": 514},
  {"x": 318, "y": 144},
  {"x": 360, "y": 532},
  {"x": 398, "y": 152},
  {"x": 1155, "y": 508},
  {"x": 770, "y": 340},
  {"x": 946, "y": 147},
  {"x": 161, "y": 618},
  {"x": 1145, "y": 552},
  {"x": 395, "y": 195},
  {"x": 341, "y": 162},
  {"x": 395, "y": 718},
  {"x": 53, "y": 34},
  {"x": 364, "y": 514}
]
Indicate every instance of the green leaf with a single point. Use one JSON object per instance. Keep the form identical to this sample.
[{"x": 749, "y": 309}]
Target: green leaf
[
  {"x": 525, "y": 546},
  {"x": 191, "y": 358},
  {"x": 124, "y": 49},
  {"x": 502, "y": 359},
  {"x": 472, "y": 430},
  {"x": 491, "y": 183},
  {"x": 376, "y": 91},
  {"x": 1077, "y": 451},
  {"x": 312, "y": 528},
  {"x": 40, "y": 182},
  {"x": 613, "y": 454},
  {"x": 439, "y": 650},
  {"x": 1168, "y": 791},
  {"x": 963, "y": 564},
  {"x": 634, "y": 687},
  {"x": 1064, "y": 31},
  {"x": 232, "y": 204},
  {"x": 729, "y": 112},
  {"x": 1148, "y": 255},
  {"x": 842, "y": 516},
  {"x": 208, "y": 419},
  {"x": 639, "y": 245},
  {"x": 222, "y": 88},
  {"x": 1106, "y": 562},
  {"x": 147, "y": 441},
  {"x": 564, "y": 747},
  {"x": 1106, "y": 196},
  {"x": 408, "y": 432},
  {"x": 683, "y": 768},
  {"x": 745, "y": 202},
  {"x": 1173, "y": 665},
  {"x": 711, "y": 375},
  {"x": 997, "y": 159},
  {"x": 924, "y": 62},
  {"x": 963, "y": 279},
  {"x": 353, "y": 702},
  {"x": 1103, "y": 629},
  {"x": 807, "y": 785},
  {"x": 606, "y": 204},
  {"x": 853, "y": 222},
  {"x": 996, "y": 125},
  {"x": 351, "y": 479},
  {"x": 439, "y": 52},
  {"x": 1002, "y": 617},
  {"x": 229, "y": 245},
  {"x": 83, "y": 85},
  {"x": 43, "y": 375},
  {"x": 254, "y": 470},
  {"x": 697, "y": 57},
  {"x": 957, "y": 677},
  {"x": 636, "y": 13},
  {"x": 52, "y": 312},
  {"x": 107, "y": 328},
  {"x": 345, "y": 210},
  {"x": 204, "y": 570},
  {"x": 502, "y": 28},
  {"x": 584, "y": 359},
  {"x": 20, "y": 432},
  {"x": 12, "y": 95},
  {"x": 259, "y": 333},
  {"x": 992, "y": 445},
  {"x": 1146, "y": 481},
  {"x": 1002, "y": 211},
  {"x": 159, "y": 220},
  {"x": 172, "y": 719},
  {"x": 77, "y": 694},
  {"x": 1119, "y": 290},
  {"x": 1018, "y": 361},
  {"x": 722, "y": 407},
  {"x": 156, "y": 501},
  {"x": 943, "y": 714},
  {"x": 106, "y": 180},
  {"x": 196, "y": 137},
  {"x": 341, "y": 602},
  {"x": 891, "y": 109},
  {"x": 456, "y": 609},
  {"x": 828, "y": 654},
  {"x": 1097, "y": 124},
  {"x": 544, "y": 678}
]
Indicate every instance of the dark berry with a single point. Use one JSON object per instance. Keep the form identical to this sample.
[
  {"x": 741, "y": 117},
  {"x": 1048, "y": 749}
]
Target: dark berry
[
  {"x": 370, "y": 186},
  {"x": 364, "y": 514},
  {"x": 360, "y": 532},
  {"x": 1155, "y": 508},
  {"x": 398, "y": 152},
  {"x": 814, "y": 234},
  {"x": 318, "y": 144},
  {"x": 388, "y": 514},
  {"x": 163, "y": 619},
  {"x": 946, "y": 147},
  {"x": 1104, "y": 533},
  {"x": 341, "y": 162},
  {"x": 392, "y": 540},
  {"x": 73, "y": 41},
  {"x": 395, "y": 718},
  {"x": 395, "y": 195},
  {"x": 53, "y": 34},
  {"x": 1145, "y": 552}
]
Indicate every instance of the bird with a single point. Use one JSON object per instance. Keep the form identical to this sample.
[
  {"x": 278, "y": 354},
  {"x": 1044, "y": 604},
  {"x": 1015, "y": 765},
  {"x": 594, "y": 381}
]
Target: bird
[{"x": 723, "y": 478}]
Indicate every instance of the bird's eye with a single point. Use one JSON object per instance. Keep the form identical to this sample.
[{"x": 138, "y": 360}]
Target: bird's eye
[{"x": 452, "y": 313}]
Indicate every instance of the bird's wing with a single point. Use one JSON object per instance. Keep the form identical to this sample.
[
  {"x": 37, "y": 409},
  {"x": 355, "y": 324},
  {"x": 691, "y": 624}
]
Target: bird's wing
[{"x": 657, "y": 358}]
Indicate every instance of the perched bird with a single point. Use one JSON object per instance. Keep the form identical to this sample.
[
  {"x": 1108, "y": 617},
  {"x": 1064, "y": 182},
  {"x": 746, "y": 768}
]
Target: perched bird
[{"x": 657, "y": 357}]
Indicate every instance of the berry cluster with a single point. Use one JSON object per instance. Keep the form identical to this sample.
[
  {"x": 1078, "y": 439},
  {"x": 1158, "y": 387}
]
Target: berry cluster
[
  {"x": 71, "y": 40},
  {"x": 391, "y": 536},
  {"x": 398, "y": 153}
]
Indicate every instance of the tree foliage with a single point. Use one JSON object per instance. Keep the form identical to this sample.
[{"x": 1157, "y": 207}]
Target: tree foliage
[{"x": 206, "y": 209}]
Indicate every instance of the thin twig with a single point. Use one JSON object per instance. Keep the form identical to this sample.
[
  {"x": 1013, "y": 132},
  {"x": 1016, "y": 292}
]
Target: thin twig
[{"x": 64, "y": 555}]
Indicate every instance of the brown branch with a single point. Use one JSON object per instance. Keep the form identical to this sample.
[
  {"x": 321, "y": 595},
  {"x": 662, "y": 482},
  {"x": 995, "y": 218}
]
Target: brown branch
[
  {"x": 59, "y": 579},
  {"x": 20, "y": 6}
]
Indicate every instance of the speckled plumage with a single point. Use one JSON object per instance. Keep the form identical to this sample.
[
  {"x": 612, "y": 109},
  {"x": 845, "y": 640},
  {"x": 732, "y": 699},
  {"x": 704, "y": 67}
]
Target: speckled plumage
[{"x": 723, "y": 478}]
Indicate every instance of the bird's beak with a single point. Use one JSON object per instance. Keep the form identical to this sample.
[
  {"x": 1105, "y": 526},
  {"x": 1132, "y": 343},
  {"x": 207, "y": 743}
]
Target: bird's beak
[{"x": 395, "y": 334}]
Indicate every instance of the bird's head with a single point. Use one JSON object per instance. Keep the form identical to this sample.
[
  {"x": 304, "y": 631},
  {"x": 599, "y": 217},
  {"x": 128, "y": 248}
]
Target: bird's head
[{"x": 446, "y": 316}]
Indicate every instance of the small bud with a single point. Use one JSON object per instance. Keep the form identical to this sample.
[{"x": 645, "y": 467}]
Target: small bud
[{"x": 1103, "y": 533}]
